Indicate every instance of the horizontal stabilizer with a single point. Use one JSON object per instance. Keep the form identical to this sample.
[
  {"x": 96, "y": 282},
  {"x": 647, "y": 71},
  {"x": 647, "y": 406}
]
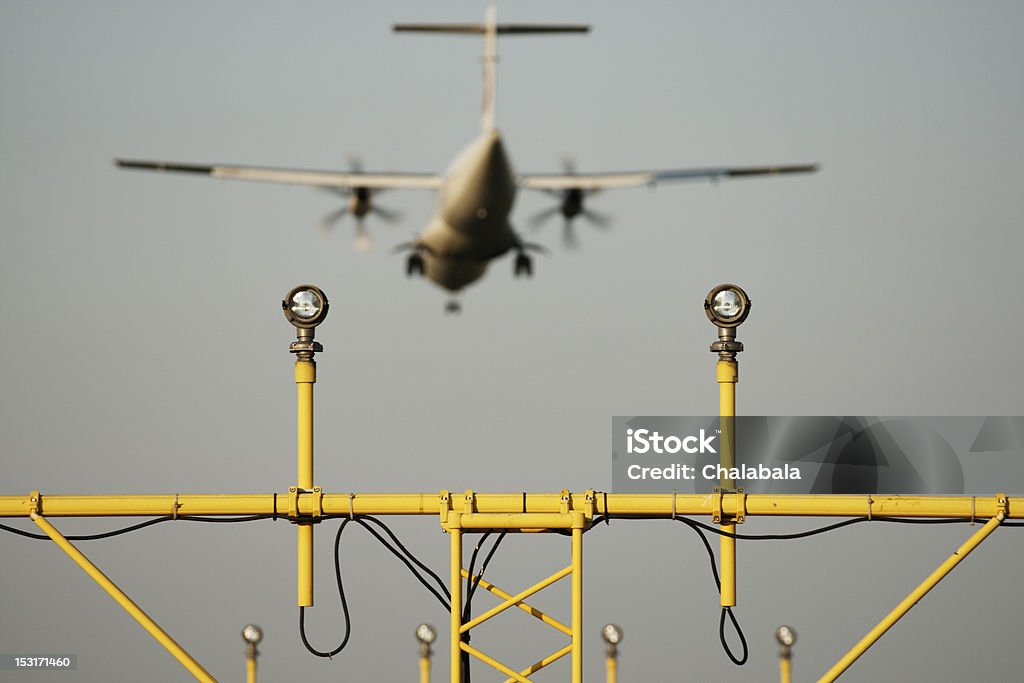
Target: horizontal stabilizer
[{"x": 501, "y": 29}]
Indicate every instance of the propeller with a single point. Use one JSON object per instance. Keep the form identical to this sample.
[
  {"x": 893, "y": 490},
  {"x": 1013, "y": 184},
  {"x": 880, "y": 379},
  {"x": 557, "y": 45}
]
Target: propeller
[
  {"x": 570, "y": 205},
  {"x": 358, "y": 203}
]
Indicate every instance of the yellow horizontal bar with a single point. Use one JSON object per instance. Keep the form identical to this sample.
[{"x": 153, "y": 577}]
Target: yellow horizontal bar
[
  {"x": 519, "y": 597},
  {"x": 616, "y": 504},
  {"x": 529, "y": 609},
  {"x": 537, "y": 666},
  {"x": 513, "y": 675},
  {"x": 515, "y": 520}
]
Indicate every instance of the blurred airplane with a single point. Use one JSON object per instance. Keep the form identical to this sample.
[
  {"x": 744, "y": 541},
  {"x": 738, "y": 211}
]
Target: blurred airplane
[{"x": 471, "y": 225}]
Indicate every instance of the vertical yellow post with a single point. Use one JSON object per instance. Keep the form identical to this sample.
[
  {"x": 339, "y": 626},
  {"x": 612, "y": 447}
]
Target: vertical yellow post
[
  {"x": 728, "y": 375},
  {"x": 130, "y": 607},
  {"x": 305, "y": 377},
  {"x": 786, "y": 637},
  {"x": 456, "y": 588},
  {"x": 250, "y": 669},
  {"x": 612, "y": 635},
  {"x": 611, "y": 669},
  {"x": 424, "y": 668},
  {"x": 252, "y": 635},
  {"x": 577, "y": 598}
]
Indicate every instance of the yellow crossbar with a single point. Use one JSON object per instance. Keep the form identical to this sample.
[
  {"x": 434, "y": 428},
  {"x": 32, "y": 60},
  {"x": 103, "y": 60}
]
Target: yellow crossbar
[
  {"x": 513, "y": 675},
  {"x": 515, "y": 599},
  {"x": 529, "y": 609}
]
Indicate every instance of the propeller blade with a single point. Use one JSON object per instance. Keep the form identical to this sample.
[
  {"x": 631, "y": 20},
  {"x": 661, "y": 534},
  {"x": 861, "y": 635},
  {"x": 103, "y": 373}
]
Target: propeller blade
[
  {"x": 542, "y": 216},
  {"x": 331, "y": 219},
  {"x": 386, "y": 215},
  {"x": 363, "y": 241},
  {"x": 569, "y": 240},
  {"x": 597, "y": 218}
]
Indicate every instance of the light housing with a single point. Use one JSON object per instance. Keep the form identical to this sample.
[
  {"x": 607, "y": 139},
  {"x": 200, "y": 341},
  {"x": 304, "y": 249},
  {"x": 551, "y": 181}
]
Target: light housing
[
  {"x": 612, "y": 634},
  {"x": 425, "y": 633},
  {"x": 252, "y": 634},
  {"x": 786, "y": 636},
  {"x": 727, "y": 305},
  {"x": 305, "y": 306}
]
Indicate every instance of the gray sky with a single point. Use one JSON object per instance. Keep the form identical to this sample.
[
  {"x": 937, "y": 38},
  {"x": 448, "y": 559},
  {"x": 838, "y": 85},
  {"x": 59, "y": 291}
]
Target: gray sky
[{"x": 153, "y": 356}]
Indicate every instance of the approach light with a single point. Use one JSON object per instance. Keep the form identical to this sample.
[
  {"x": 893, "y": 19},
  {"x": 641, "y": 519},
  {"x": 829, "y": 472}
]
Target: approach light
[
  {"x": 425, "y": 633},
  {"x": 786, "y": 636},
  {"x": 612, "y": 634},
  {"x": 305, "y": 306},
  {"x": 252, "y": 634},
  {"x": 727, "y": 306}
]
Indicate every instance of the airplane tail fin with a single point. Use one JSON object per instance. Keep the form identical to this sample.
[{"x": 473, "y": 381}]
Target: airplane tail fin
[{"x": 490, "y": 30}]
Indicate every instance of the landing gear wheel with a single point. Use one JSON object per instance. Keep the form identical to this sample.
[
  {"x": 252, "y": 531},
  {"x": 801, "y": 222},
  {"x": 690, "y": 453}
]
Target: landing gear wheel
[
  {"x": 414, "y": 265},
  {"x": 523, "y": 265}
]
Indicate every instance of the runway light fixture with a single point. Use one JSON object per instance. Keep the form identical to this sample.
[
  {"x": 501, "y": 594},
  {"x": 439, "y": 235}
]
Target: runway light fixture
[
  {"x": 612, "y": 634},
  {"x": 252, "y": 634},
  {"x": 305, "y": 307},
  {"x": 727, "y": 306},
  {"x": 425, "y": 633}
]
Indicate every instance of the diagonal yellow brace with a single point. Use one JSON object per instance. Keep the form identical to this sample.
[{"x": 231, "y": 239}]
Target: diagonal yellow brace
[
  {"x": 134, "y": 610},
  {"x": 537, "y": 666},
  {"x": 487, "y": 659},
  {"x": 515, "y": 599},
  {"x": 918, "y": 593},
  {"x": 529, "y": 609}
]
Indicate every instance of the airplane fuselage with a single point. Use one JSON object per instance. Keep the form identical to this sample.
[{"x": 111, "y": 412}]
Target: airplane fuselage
[{"x": 471, "y": 225}]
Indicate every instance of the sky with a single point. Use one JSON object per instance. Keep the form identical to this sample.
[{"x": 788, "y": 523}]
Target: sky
[{"x": 143, "y": 348}]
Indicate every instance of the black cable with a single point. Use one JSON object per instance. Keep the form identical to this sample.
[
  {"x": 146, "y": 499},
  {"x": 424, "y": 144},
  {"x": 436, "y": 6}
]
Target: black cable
[
  {"x": 725, "y": 645},
  {"x": 133, "y": 527},
  {"x": 408, "y": 559}
]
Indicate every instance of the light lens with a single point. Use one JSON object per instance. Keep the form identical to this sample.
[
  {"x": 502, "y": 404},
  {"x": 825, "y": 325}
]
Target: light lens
[
  {"x": 785, "y": 635},
  {"x": 727, "y": 304},
  {"x": 252, "y": 634},
  {"x": 425, "y": 633},
  {"x": 305, "y": 304},
  {"x": 612, "y": 634}
]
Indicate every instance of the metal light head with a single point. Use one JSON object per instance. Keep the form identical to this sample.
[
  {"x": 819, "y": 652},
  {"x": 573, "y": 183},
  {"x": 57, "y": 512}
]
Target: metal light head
[
  {"x": 612, "y": 634},
  {"x": 786, "y": 636},
  {"x": 727, "y": 306},
  {"x": 305, "y": 306},
  {"x": 252, "y": 634},
  {"x": 425, "y": 633}
]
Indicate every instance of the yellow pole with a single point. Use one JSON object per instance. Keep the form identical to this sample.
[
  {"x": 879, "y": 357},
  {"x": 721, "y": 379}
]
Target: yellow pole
[
  {"x": 611, "y": 668},
  {"x": 134, "y": 610},
  {"x": 250, "y": 668},
  {"x": 785, "y": 668},
  {"x": 425, "y": 664},
  {"x": 305, "y": 377},
  {"x": 918, "y": 593},
  {"x": 577, "y": 601},
  {"x": 728, "y": 375},
  {"x": 455, "y": 632}
]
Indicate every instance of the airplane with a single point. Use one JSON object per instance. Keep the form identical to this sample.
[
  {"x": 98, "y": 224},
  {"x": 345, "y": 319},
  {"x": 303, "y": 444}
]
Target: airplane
[{"x": 470, "y": 227}]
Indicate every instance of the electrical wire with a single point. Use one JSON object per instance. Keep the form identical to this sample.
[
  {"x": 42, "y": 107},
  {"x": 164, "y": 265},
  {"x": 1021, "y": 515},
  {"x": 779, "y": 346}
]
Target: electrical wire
[
  {"x": 134, "y": 527},
  {"x": 401, "y": 552}
]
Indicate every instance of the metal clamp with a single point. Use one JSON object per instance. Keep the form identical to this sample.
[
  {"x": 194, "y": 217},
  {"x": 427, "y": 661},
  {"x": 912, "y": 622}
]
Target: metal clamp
[
  {"x": 175, "y": 508},
  {"x": 469, "y": 503},
  {"x": 1002, "y": 506},
  {"x": 716, "y": 505},
  {"x": 317, "y": 495},
  {"x": 35, "y": 503},
  {"x": 590, "y": 504},
  {"x": 739, "y": 515},
  {"x": 566, "y": 503},
  {"x": 444, "y": 507},
  {"x": 741, "y": 505}
]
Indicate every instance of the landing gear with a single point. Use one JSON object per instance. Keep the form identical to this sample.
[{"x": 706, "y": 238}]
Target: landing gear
[
  {"x": 453, "y": 307},
  {"x": 414, "y": 264},
  {"x": 523, "y": 265}
]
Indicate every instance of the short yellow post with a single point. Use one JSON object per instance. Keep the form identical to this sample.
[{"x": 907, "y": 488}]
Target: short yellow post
[
  {"x": 305, "y": 377},
  {"x": 786, "y": 637},
  {"x": 134, "y": 610},
  {"x": 426, "y": 634},
  {"x": 252, "y": 635},
  {"x": 728, "y": 375},
  {"x": 612, "y": 635}
]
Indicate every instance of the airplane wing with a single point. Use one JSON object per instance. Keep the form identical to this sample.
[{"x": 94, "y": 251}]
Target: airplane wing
[
  {"x": 284, "y": 176},
  {"x": 592, "y": 182}
]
